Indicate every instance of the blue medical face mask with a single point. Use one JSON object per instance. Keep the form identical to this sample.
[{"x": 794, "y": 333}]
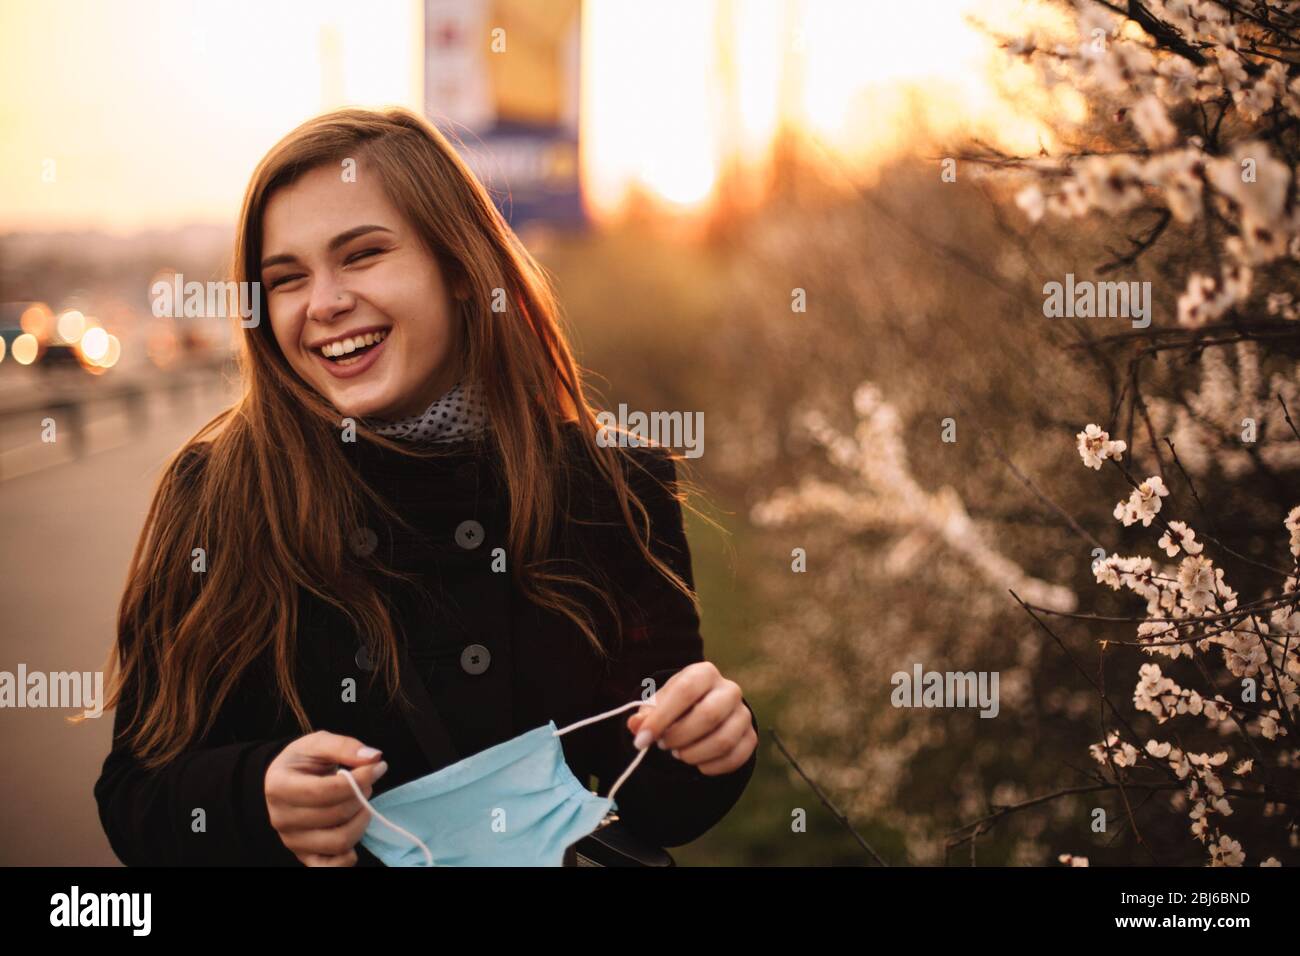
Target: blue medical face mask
[{"x": 515, "y": 804}]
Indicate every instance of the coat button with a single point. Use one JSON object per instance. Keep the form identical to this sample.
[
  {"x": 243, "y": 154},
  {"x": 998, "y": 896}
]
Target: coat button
[
  {"x": 469, "y": 534},
  {"x": 363, "y": 659},
  {"x": 475, "y": 659}
]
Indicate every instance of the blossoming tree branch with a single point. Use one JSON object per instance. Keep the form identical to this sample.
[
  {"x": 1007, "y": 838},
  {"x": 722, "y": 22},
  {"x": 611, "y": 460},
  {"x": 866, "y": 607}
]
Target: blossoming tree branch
[
  {"x": 1206, "y": 98},
  {"x": 1188, "y": 154}
]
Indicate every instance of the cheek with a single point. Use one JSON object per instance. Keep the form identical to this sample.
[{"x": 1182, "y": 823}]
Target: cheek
[
  {"x": 427, "y": 335},
  {"x": 286, "y": 332},
  {"x": 421, "y": 336},
  {"x": 428, "y": 345}
]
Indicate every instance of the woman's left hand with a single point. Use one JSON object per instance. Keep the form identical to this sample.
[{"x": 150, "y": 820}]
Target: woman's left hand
[{"x": 701, "y": 717}]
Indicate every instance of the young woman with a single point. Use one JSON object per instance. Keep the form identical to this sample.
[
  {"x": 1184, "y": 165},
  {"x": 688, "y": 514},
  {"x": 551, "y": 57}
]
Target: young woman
[{"x": 405, "y": 543}]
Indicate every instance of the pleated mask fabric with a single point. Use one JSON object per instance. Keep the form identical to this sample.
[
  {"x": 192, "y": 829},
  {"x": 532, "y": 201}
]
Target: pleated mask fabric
[{"x": 515, "y": 804}]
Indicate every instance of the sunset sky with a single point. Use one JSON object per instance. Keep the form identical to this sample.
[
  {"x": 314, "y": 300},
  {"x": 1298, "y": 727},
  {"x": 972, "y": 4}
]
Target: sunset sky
[{"x": 154, "y": 112}]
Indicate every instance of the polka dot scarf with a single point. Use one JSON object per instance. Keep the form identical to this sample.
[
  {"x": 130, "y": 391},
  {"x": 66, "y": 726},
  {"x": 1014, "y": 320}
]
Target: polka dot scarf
[{"x": 456, "y": 416}]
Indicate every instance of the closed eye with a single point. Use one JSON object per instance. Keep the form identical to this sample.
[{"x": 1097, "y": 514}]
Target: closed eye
[
  {"x": 355, "y": 257},
  {"x": 364, "y": 253}
]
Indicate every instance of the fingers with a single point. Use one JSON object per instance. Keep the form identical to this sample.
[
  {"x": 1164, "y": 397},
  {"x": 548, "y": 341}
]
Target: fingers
[
  {"x": 716, "y": 747},
  {"x": 305, "y": 790},
  {"x": 307, "y": 802},
  {"x": 327, "y": 748},
  {"x": 365, "y": 776},
  {"x": 674, "y": 699},
  {"x": 330, "y": 841},
  {"x": 308, "y": 777},
  {"x": 734, "y": 757},
  {"x": 312, "y": 806},
  {"x": 708, "y": 714}
]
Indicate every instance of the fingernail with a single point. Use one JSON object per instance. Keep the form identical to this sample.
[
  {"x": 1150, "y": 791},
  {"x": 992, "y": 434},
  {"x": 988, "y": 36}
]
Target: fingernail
[
  {"x": 663, "y": 745},
  {"x": 381, "y": 768},
  {"x": 643, "y": 739},
  {"x": 677, "y": 755},
  {"x": 365, "y": 753}
]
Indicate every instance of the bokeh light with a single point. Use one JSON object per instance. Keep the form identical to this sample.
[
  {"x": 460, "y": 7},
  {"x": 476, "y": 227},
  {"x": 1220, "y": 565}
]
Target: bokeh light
[
  {"x": 26, "y": 348},
  {"x": 112, "y": 352},
  {"x": 71, "y": 326},
  {"x": 94, "y": 344},
  {"x": 37, "y": 320}
]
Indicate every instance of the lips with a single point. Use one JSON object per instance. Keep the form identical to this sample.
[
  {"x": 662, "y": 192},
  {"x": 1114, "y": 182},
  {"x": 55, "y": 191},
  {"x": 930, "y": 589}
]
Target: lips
[{"x": 354, "y": 353}]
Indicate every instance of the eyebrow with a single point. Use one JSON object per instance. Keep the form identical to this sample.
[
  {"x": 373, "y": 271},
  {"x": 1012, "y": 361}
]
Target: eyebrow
[{"x": 343, "y": 238}]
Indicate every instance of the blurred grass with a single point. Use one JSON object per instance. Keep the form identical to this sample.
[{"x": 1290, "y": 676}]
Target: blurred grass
[
  {"x": 640, "y": 308},
  {"x": 759, "y": 830}
]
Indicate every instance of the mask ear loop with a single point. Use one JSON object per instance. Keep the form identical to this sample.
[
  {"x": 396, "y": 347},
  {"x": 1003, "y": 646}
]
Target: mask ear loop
[
  {"x": 428, "y": 857},
  {"x": 610, "y": 713}
]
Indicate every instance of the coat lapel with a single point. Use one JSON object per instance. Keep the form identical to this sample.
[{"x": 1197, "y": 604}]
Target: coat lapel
[{"x": 456, "y": 666}]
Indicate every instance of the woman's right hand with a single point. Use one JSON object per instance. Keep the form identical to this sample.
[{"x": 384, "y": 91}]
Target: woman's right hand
[{"x": 312, "y": 806}]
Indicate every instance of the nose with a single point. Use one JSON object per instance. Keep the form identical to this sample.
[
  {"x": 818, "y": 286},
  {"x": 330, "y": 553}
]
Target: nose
[{"x": 328, "y": 301}]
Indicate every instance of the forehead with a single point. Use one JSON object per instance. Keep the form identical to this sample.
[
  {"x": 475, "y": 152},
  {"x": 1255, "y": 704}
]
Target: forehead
[{"x": 305, "y": 215}]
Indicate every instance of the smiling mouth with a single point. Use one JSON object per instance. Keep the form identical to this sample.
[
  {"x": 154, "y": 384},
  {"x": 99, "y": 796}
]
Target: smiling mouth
[{"x": 345, "y": 352}]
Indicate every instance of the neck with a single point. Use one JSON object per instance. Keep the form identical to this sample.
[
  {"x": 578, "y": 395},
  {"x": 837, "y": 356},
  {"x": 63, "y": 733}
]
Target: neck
[{"x": 441, "y": 383}]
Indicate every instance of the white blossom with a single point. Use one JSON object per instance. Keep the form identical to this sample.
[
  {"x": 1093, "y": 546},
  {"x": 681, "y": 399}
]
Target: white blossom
[
  {"x": 1207, "y": 298},
  {"x": 1264, "y": 195},
  {"x": 1178, "y": 176},
  {"x": 1031, "y": 203},
  {"x": 1176, "y": 80},
  {"x": 1152, "y": 122},
  {"x": 1231, "y": 70},
  {"x": 1186, "y": 540},
  {"x": 1227, "y": 852},
  {"x": 1143, "y": 503},
  {"x": 1292, "y": 524},
  {"x": 1096, "y": 446},
  {"x": 1111, "y": 183}
]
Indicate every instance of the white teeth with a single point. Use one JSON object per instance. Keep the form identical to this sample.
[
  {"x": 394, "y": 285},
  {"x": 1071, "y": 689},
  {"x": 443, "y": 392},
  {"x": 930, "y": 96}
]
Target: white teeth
[{"x": 344, "y": 346}]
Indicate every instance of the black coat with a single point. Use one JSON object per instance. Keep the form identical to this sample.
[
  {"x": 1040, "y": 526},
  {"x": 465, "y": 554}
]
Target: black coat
[{"x": 494, "y": 664}]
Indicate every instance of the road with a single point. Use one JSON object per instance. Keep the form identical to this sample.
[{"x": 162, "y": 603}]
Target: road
[{"x": 68, "y": 532}]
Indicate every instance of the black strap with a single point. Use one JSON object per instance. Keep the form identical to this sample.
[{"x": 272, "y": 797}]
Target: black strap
[
  {"x": 422, "y": 717},
  {"x": 614, "y": 845}
]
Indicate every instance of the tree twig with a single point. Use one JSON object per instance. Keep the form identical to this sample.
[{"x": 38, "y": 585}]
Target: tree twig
[{"x": 826, "y": 801}]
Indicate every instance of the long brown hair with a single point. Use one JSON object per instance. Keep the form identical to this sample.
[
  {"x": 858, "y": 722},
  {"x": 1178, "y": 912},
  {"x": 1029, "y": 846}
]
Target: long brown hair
[{"x": 276, "y": 493}]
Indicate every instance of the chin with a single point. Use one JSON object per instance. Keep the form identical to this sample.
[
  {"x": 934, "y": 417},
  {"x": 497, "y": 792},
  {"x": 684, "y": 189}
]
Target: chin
[{"x": 364, "y": 406}]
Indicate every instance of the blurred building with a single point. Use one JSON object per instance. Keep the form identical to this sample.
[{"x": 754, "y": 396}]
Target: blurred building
[{"x": 501, "y": 81}]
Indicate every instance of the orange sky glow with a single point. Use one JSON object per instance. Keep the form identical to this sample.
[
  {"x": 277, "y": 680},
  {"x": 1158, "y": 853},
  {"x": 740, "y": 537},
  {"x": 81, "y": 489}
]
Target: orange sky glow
[{"x": 145, "y": 113}]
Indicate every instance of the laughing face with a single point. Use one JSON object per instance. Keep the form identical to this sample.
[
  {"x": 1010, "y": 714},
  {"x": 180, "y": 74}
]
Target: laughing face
[{"x": 357, "y": 303}]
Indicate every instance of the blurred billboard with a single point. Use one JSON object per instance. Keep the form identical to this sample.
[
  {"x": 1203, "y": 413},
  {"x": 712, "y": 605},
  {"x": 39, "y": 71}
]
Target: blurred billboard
[{"x": 502, "y": 81}]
